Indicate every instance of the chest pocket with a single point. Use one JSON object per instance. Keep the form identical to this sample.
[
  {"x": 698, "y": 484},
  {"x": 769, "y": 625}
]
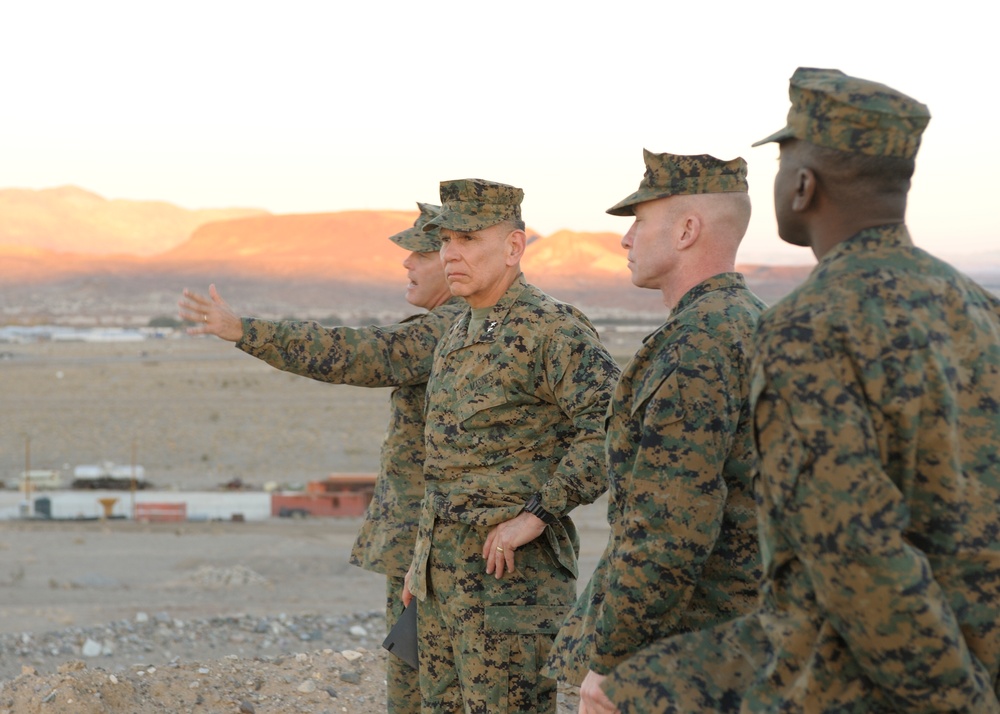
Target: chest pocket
[
  {"x": 480, "y": 407},
  {"x": 665, "y": 389}
]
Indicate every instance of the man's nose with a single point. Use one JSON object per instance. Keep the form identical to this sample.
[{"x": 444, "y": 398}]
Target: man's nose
[{"x": 627, "y": 239}]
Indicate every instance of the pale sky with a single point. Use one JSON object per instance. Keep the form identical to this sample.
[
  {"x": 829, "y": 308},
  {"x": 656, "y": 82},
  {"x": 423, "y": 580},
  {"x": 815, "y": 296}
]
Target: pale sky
[{"x": 308, "y": 106}]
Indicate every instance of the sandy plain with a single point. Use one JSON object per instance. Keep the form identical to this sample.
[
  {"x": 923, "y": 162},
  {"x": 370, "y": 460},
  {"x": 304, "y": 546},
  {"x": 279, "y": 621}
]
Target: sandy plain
[{"x": 196, "y": 413}]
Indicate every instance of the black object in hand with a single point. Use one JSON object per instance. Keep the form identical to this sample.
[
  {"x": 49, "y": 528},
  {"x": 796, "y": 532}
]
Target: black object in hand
[{"x": 402, "y": 638}]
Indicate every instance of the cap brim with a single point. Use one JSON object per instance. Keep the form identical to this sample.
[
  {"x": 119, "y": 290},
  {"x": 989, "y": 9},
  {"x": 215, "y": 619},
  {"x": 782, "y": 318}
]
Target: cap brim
[
  {"x": 780, "y": 135},
  {"x": 417, "y": 240},
  {"x": 624, "y": 207}
]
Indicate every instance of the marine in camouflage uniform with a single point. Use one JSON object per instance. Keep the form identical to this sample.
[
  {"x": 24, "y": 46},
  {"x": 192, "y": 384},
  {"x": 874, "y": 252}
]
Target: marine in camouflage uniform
[
  {"x": 515, "y": 411},
  {"x": 397, "y": 356},
  {"x": 876, "y": 392},
  {"x": 682, "y": 553}
]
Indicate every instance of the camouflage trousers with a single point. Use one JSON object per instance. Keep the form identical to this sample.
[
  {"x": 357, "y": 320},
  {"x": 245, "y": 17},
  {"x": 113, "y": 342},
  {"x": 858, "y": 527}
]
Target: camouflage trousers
[
  {"x": 483, "y": 641},
  {"x": 402, "y": 686},
  {"x": 700, "y": 671},
  {"x": 569, "y": 658}
]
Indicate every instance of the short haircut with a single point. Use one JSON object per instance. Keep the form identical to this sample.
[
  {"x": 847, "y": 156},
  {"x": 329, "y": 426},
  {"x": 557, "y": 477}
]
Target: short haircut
[{"x": 845, "y": 173}]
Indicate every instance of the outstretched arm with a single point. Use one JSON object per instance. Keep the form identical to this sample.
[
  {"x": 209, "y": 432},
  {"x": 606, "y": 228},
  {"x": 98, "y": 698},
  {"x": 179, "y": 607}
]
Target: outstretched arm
[{"x": 211, "y": 315}]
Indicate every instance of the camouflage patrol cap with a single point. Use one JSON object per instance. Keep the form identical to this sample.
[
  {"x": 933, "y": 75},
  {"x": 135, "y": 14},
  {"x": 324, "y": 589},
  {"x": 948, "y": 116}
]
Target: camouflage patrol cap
[
  {"x": 833, "y": 110},
  {"x": 674, "y": 175},
  {"x": 474, "y": 204},
  {"x": 416, "y": 238}
]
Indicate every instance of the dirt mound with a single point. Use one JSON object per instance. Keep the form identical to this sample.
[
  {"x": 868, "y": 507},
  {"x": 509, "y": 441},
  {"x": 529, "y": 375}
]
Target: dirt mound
[
  {"x": 323, "y": 681},
  {"x": 320, "y": 681}
]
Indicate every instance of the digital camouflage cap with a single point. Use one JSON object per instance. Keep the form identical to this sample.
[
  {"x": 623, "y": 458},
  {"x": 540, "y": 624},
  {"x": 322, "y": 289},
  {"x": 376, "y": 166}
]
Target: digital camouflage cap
[
  {"x": 833, "y": 110},
  {"x": 474, "y": 204},
  {"x": 417, "y": 238},
  {"x": 675, "y": 175}
]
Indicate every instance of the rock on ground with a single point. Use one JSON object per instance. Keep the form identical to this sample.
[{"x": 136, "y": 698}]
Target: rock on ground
[
  {"x": 323, "y": 681},
  {"x": 83, "y": 680}
]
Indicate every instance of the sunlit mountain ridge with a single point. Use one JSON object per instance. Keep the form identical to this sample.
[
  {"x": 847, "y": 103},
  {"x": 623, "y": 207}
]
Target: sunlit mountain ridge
[
  {"x": 75, "y": 254},
  {"x": 71, "y": 219}
]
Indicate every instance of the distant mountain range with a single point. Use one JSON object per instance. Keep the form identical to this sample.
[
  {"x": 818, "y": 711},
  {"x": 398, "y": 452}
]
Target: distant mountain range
[
  {"x": 71, "y": 220},
  {"x": 68, "y": 255}
]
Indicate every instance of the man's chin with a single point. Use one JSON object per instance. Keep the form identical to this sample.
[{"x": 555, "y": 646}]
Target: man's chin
[{"x": 793, "y": 238}]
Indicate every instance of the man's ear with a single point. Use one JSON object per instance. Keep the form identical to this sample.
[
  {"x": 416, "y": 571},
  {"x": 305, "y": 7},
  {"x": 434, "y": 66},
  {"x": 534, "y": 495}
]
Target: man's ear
[
  {"x": 516, "y": 241},
  {"x": 690, "y": 231},
  {"x": 805, "y": 190}
]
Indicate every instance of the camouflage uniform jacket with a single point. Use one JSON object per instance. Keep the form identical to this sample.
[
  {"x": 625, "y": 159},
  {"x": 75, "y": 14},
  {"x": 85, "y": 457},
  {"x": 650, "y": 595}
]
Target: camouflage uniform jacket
[
  {"x": 515, "y": 406},
  {"x": 682, "y": 553},
  {"x": 876, "y": 398},
  {"x": 394, "y": 356}
]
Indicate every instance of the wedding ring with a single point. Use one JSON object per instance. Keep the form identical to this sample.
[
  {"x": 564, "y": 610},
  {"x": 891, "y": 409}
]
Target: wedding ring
[
  {"x": 500, "y": 549},
  {"x": 206, "y": 317}
]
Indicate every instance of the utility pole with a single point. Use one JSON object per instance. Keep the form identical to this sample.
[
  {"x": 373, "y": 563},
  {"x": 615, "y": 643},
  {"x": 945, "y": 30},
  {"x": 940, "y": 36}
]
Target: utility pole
[
  {"x": 27, "y": 476},
  {"x": 134, "y": 441}
]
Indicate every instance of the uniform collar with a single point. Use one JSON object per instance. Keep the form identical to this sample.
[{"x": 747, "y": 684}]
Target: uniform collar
[
  {"x": 870, "y": 241},
  {"x": 721, "y": 281}
]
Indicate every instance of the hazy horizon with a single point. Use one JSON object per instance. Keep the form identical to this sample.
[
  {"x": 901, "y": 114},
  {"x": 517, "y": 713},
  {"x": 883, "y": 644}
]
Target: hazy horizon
[
  {"x": 316, "y": 107},
  {"x": 789, "y": 256}
]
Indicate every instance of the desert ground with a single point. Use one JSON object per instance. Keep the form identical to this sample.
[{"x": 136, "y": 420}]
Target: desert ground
[
  {"x": 193, "y": 412},
  {"x": 264, "y": 616}
]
